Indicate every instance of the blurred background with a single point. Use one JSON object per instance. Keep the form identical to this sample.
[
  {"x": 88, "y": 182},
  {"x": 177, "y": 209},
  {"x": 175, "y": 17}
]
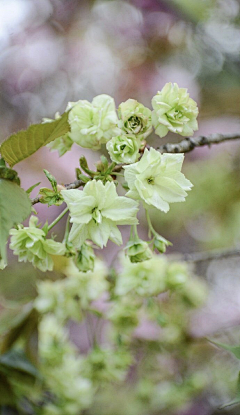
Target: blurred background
[{"x": 55, "y": 51}]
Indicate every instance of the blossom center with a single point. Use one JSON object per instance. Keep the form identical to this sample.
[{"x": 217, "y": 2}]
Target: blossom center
[
  {"x": 150, "y": 180},
  {"x": 96, "y": 215}
]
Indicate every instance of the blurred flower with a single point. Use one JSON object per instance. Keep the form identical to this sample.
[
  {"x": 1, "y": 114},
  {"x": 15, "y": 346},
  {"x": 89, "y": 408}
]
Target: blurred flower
[
  {"x": 157, "y": 179},
  {"x": 87, "y": 286},
  {"x": 62, "y": 370},
  {"x": 123, "y": 149},
  {"x": 93, "y": 124},
  {"x": 135, "y": 118},
  {"x": 124, "y": 314},
  {"x": 144, "y": 278},
  {"x": 30, "y": 244},
  {"x": 104, "y": 364},
  {"x": 174, "y": 111},
  {"x": 96, "y": 211}
]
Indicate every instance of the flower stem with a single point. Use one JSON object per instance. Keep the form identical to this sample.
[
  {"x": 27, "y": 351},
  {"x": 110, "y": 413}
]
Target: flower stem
[
  {"x": 135, "y": 232},
  {"x": 58, "y": 219},
  {"x": 66, "y": 234},
  {"x": 151, "y": 229}
]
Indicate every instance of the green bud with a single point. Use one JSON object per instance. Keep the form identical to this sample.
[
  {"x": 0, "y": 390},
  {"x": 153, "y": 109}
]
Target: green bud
[
  {"x": 8, "y": 174},
  {"x": 138, "y": 251},
  {"x": 85, "y": 259},
  {"x": 160, "y": 243},
  {"x": 50, "y": 197}
]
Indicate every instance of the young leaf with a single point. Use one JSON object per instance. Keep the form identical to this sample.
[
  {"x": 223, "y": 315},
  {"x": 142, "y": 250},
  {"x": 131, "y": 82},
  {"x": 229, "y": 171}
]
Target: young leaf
[
  {"x": 28, "y": 191},
  {"x": 235, "y": 350},
  {"x": 15, "y": 207},
  {"x": 23, "y": 144},
  {"x": 51, "y": 179}
]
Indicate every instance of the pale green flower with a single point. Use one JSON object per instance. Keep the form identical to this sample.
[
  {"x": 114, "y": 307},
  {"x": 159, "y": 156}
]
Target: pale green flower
[
  {"x": 85, "y": 258},
  {"x": 87, "y": 286},
  {"x": 143, "y": 278},
  {"x": 138, "y": 251},
  {"x": 67, "y": 297},
  {"x": 30, "y": 244},
  {"x": 62, "y": 369},
  {"x": 174, "y": 111},
  {"x": 93, "y": 124},
  {"x": 106, "y": 365},
  {"x": 157, "y": 179},
  {"x": 61, "y": 144},
  {"x": 124, "y": 314},
  {"x": 58, "y": 297},
  {"x": 124, "y": 149},
  {"x": 96, "y": 211},
  {"x": 135, "y": 118}
]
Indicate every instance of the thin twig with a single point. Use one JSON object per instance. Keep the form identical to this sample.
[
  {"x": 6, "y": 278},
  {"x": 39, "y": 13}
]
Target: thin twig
[
  {"x": 188, "y": 144},
  {"x": 205, "y": 256}
]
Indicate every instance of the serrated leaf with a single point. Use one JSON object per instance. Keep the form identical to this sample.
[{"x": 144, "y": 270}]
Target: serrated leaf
[
  {"x": 15, "y": 207},
  {"x": 23, "y": 144}
]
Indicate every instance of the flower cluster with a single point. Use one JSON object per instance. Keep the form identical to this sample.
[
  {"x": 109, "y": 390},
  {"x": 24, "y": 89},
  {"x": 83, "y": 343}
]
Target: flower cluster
[
  {"x": 97, "y": 122},
  {"x": 30, "y": 244},
  {"x": 141, "y": 285},
  {"x": 62, "y": 370}
]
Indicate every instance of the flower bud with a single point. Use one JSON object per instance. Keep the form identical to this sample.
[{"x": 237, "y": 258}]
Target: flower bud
[
  {"x": 138, "y": 251},
  {"x": 85, "y": 258}
]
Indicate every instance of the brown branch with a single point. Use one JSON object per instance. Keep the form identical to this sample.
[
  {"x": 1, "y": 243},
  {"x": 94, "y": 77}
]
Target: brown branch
[
  {"x": 188, "y": 144},
  {"x": 74, "y": 185},
  {"x": 197, "y": 257}
]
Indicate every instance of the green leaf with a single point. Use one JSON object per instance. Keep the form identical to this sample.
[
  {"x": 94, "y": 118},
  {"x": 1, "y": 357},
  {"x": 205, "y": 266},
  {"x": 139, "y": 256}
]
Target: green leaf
[
  {"x": 235, "y": 401},
  {"x": 235, "y": 350},
  {"x": 51, "y": 179},
  {"x": 23, "y": 144},
  {"x": 17, "y": 361},
  {"x": 15, "y": 207},
  {"x": 12, "y": 324},
  {"x": 6, "y": 392},
  {"x": 30, "y": 189}
]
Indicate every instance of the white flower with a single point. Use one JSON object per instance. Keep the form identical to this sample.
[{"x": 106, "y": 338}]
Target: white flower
[
  {"x": 157, "y": 179},
  {"x": 96, "y": 211}
]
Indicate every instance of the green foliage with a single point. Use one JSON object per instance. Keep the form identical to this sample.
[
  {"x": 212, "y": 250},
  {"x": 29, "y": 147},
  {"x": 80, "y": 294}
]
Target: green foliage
[
  {"x": 23, "y": 144},
  {"x": 9, "y": 174},
  {"x": 15, "y": 207}
]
